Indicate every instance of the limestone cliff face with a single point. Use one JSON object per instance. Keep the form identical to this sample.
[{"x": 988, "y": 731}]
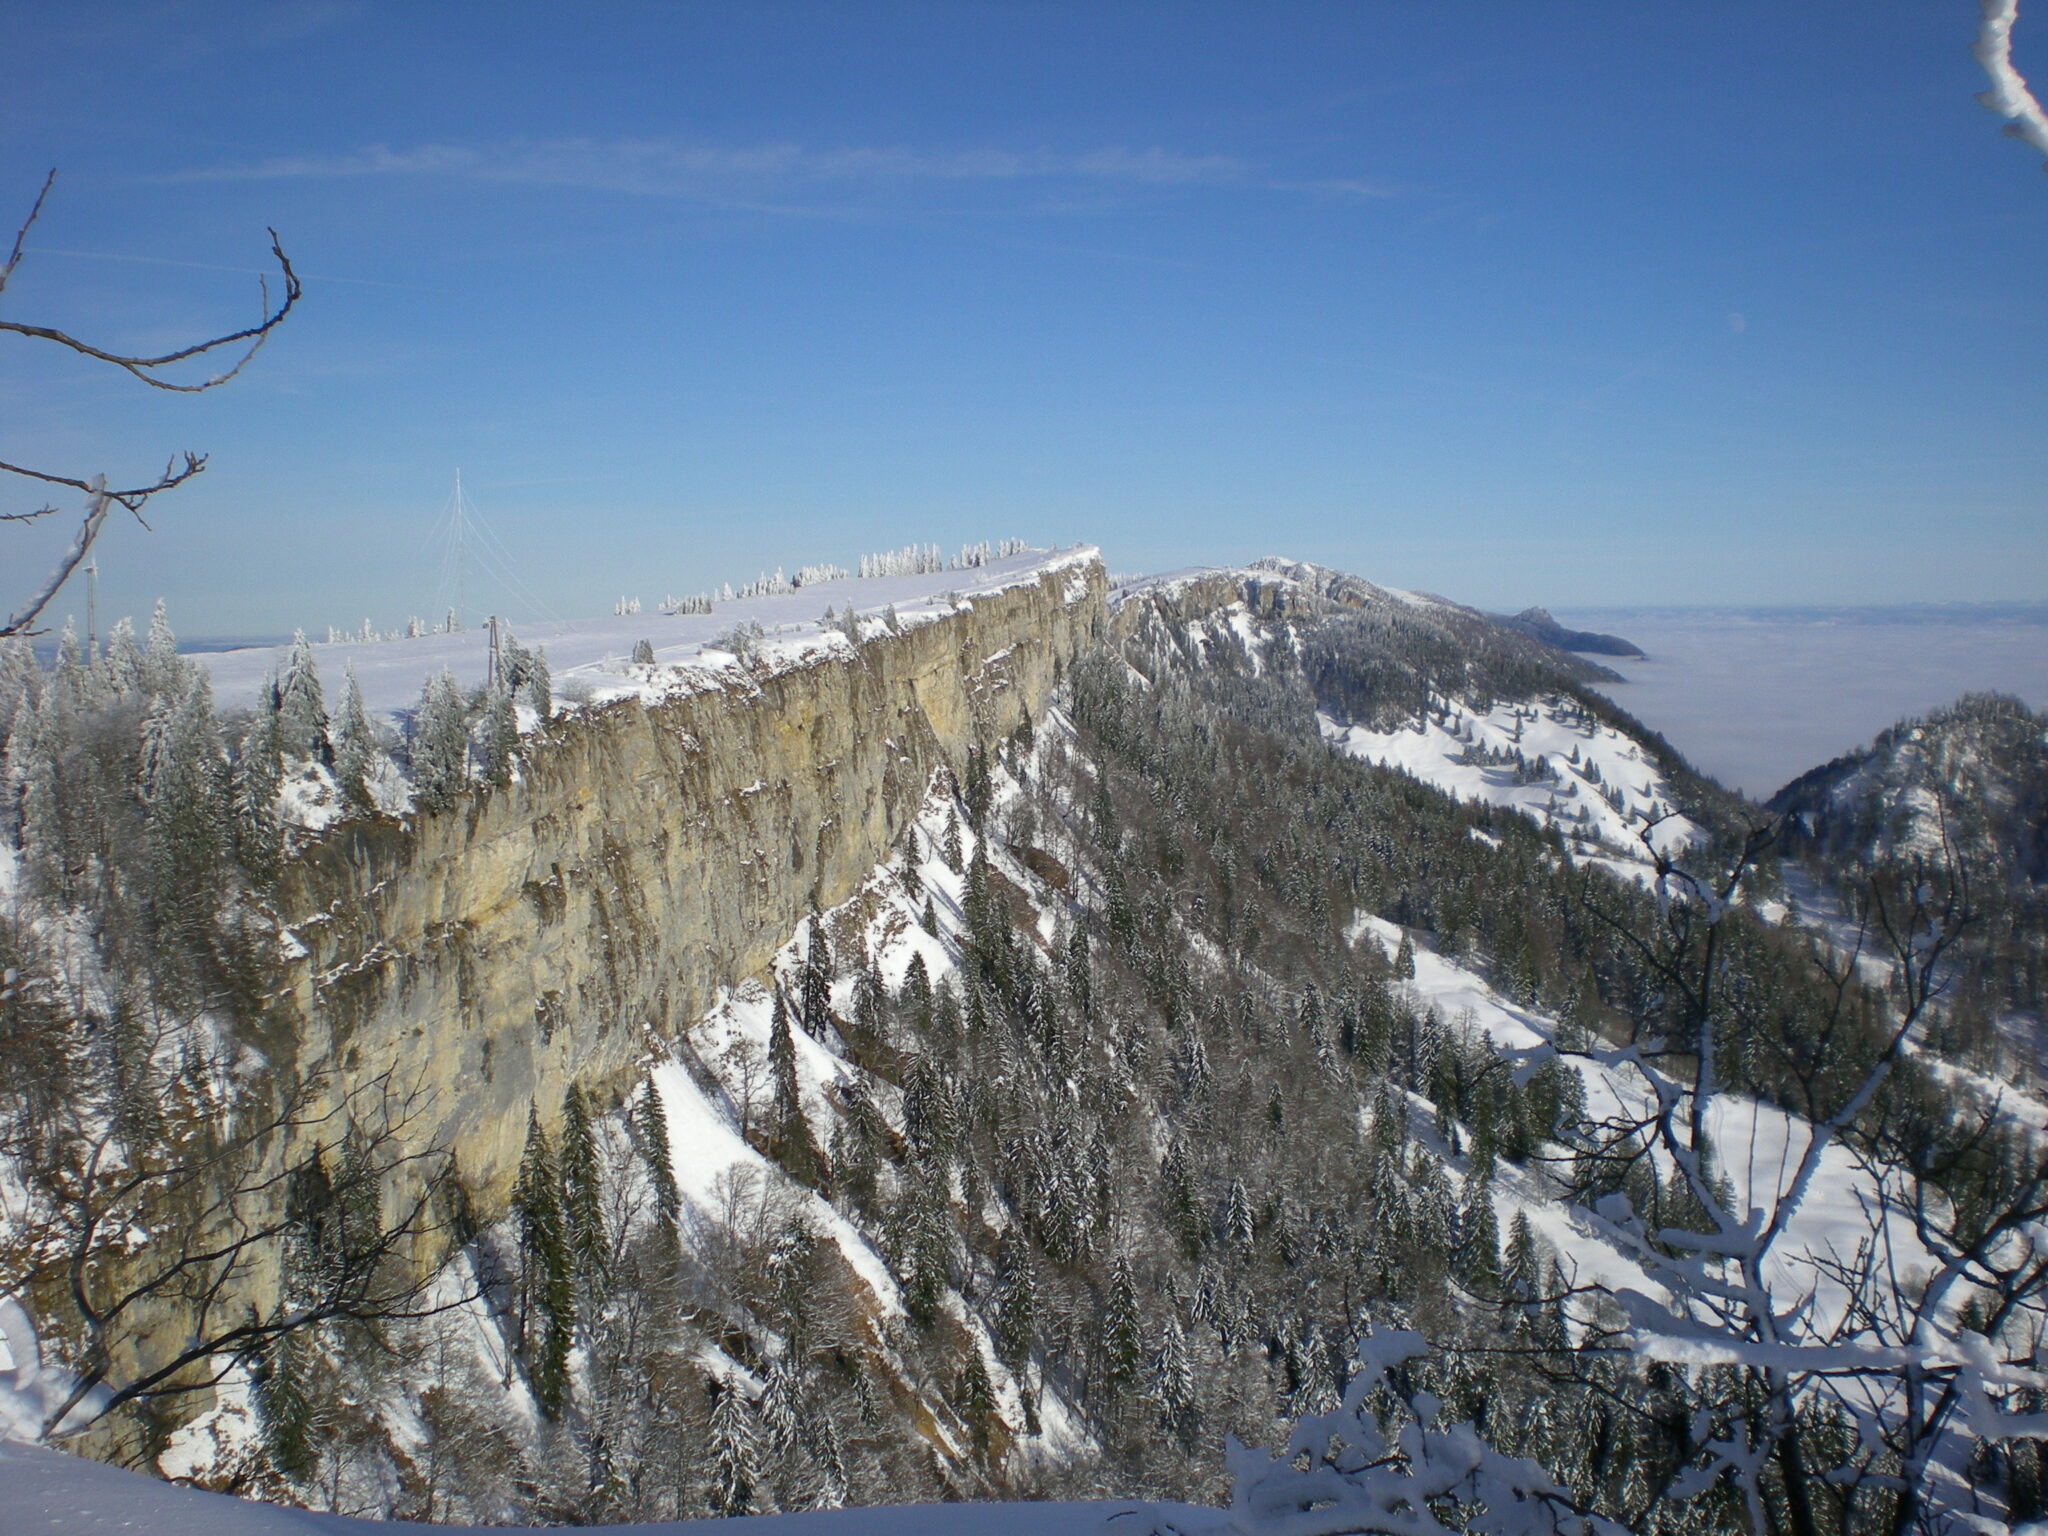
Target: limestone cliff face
[{"x": 648, "y": 856}]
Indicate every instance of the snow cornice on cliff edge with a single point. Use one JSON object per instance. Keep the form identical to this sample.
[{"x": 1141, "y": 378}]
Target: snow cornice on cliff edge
[{"x": 591, "y": 658}]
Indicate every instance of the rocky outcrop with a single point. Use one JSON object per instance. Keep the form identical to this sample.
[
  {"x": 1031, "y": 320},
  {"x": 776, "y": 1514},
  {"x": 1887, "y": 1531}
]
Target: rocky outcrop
[{"x": 647, "y": 856}]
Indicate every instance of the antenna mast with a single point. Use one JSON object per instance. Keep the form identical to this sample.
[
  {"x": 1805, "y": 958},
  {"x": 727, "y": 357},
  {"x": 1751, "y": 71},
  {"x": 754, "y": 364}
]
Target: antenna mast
[
  {"x": 463, "y": 535},
  {"x": 458, "y": 536}
]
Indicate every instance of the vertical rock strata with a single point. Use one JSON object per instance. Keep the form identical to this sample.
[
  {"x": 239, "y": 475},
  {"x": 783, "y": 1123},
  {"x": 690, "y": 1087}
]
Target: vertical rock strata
[{"x": 648, "y": 856}]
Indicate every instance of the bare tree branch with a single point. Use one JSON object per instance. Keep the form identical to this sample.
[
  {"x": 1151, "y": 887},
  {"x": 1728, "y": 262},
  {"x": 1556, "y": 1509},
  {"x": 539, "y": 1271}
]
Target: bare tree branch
[
  {"x": 14, "y": 256},
  {"x": 298, "y": 1192},
  {"x": 98, "y": 503},
  {"x": 99, "y": 500}
]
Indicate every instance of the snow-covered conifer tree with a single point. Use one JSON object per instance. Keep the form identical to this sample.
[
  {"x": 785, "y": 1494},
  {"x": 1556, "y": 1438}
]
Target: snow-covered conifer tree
[
  {"x": 301, "y": 713},
  {"x": 184, "y": 785},
  {"x": 736, "y": 1485},
  {"x": 1016, "y": 1301},
  {"x": 121, "y": 660},
  {"x": 252, "y": 782},
  {"x": 1240, "y": 1226},
  {"x": 814, "y": 1009},
  {"x": 1479, "y": 1238},
  {"x": 440, "y": 744},
  {"x": 650, "y": 1140},
  {"x": 547, "y": 1312},
  {"x": 500, "y": 735},
  {"x": 583, "y": 1196},
  {"x": 536, "y": 686},
  {"x": 355, "y": 748},
  {"x": 790, "y": 1141},
  {"x": 1173, "y": 1381},
  {"x": 160, "y": 661}
]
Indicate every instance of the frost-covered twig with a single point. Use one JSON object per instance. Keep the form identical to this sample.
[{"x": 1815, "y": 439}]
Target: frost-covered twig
[{"x": 2008, "y": 96}]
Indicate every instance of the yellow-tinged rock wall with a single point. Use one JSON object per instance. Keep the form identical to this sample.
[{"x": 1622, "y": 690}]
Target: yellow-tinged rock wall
[{"x": 647, "y": 857}]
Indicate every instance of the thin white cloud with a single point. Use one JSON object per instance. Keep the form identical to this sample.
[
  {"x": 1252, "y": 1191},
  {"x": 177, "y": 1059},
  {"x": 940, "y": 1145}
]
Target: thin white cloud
[
  {"x": 778, "y": 175},
  {"x": 2008, "y": 96},
  {"x": 679, "y": 168}
]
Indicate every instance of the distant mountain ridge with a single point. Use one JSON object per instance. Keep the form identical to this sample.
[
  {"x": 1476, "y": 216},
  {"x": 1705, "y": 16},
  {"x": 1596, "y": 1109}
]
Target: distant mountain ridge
[{"x": 1537, "y": 624}]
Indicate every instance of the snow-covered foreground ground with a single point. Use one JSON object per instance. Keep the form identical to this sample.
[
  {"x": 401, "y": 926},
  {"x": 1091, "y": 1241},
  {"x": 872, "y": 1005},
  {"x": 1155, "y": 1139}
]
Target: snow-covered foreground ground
[
  {"x": 42, "y": 1490},
  {"x": 1756, "y": 697},
  {"x": 686, "y": 650}
]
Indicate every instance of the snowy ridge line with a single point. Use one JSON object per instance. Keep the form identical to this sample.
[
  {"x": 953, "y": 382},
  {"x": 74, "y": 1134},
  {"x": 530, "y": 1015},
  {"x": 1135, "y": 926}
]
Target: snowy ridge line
[
  {"x": 592, "y": 656},
  {"x": 1273, "y": 569}
]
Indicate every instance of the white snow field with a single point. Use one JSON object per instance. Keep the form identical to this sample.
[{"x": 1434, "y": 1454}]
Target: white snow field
[
  {"x": 1605, "y": 789},
  {"x": 595, "y": 653}
]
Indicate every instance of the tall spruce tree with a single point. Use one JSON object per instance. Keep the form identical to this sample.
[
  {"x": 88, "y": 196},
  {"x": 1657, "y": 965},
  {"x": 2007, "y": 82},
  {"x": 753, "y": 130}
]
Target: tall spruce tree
[
  {"x": 500, "y": 735},
  {"x": 1123, "y": 1328},
  {"x": 814, "y": 1008},
  {"x": 184, "y": 786},
  {"x": 789, "y": 1138},
  {"x": 301, "y": 712},
  {"x": 355, "y": 748},
  {"x": 1016, "y": 1301},
  {"x": 736, "y": 1482},
  {"x": 1479, "y": 1238},
  {"x": 286, "y": 1411},
  {"x": 650, "y": 1140},
  {"x": 253, "y": 780},
  {"x": 583, "y": 1197},
  {"x": 160, "y": 660},
  {"x": 1173, "y": 1382},
  {"x": 547, "y": 1313},
  {"x": 536, "y": 685},
  {"x": 440, "y": 745}
]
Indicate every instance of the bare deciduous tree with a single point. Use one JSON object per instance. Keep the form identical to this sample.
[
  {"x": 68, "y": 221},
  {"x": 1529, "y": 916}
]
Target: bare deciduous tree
[
  {"x": 1833, "y": 1386},
  {"x": 235, "y": 1219},
  {"x": 100, "y": 501}
]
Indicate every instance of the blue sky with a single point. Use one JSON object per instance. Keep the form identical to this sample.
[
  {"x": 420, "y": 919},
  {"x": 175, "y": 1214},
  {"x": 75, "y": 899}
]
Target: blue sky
[{"x": 1558, "y": 303}]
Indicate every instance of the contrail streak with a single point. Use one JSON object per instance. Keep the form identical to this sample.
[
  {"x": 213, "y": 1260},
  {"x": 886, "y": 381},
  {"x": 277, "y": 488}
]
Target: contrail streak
[{"x": 2008, "y": 96}]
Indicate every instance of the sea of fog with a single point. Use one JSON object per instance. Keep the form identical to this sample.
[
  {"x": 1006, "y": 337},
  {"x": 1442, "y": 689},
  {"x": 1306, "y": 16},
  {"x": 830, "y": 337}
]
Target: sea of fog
[{"x": 1756, "y": 696}]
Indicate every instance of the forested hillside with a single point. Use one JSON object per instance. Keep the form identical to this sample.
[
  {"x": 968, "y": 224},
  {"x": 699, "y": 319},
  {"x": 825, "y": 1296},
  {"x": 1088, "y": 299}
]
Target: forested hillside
[
  {"x": 1966, "y": 786},
  {"x": 1174, "y": 1049}
]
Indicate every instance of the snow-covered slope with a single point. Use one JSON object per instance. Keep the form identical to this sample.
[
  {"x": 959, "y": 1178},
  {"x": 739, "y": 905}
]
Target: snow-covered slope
[
  {"x": 1760, "y": 1147},
  {"x": 1445, "y": 693},
  {"x": 1973, "y": 777},
  {"x": 709, "y": 1111},
  {"x": 1549, "y": 759}
]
